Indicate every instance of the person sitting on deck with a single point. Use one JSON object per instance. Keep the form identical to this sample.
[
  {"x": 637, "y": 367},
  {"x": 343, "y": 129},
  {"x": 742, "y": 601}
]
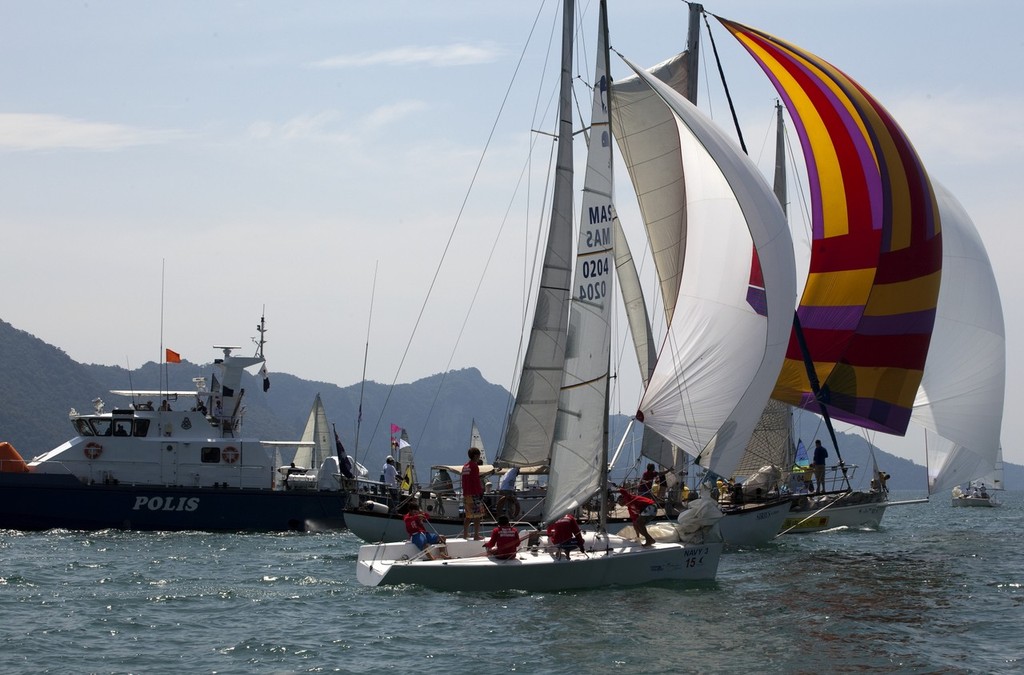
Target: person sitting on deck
[
  {"x": 504, "y": 540},
  {"x": 415, "y": 527}
]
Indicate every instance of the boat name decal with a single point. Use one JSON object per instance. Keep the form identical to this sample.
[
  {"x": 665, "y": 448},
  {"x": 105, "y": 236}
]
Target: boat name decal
[{"x": 166, "y": 503}]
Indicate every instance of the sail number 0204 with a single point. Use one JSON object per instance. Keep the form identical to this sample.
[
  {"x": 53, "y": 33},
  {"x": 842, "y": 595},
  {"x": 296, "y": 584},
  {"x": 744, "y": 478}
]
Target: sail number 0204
[{"x": 594, "y": 288}]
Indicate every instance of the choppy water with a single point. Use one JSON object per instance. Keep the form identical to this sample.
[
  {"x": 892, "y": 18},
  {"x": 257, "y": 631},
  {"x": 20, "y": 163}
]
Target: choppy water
[{"x": 937, "y": 589}]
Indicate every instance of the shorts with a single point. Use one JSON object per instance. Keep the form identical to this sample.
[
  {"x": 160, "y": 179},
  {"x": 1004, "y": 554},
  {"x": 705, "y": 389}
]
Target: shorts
[
  {"x": 474, "y": 506},
  {"x": 568, "y": 545},
  {"x": 423, "y": 539}
]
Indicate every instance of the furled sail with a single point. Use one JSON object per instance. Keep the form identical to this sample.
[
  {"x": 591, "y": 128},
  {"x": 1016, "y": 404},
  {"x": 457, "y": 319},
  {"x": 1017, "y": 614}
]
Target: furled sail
[
  {"x": 961, "y": 394},
  {"x": 579, "y": 454},
  {"x": 868, "y": 307},
  {"x": 721, "y": 358}
]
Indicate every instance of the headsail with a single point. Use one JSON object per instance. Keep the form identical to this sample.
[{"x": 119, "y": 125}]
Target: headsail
[
  {"x": 579, "y": 455},
  {"x": 869, "y": 303},
  {"x": 961, "y": 393}
]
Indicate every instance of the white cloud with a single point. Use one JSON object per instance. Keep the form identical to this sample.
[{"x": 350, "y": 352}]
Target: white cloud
[
  {"x": 331, "y": 126},
  {"x": 36, "y": 131},
  {"x": 439, "y": 56}
]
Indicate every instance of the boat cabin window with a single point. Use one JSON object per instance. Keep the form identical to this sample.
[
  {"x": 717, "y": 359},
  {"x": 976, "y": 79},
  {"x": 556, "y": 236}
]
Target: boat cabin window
[
  {"x": 102, "y": 427},
  {"x": 83, "y": 428},
  {"x": 209, "y": 455},
  {"x": 122, "y": 428},
  {"x": 141, "y": 428}
]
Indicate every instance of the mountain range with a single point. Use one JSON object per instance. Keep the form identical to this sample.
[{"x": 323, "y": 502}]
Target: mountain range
[{"x": 40, "y": 384}]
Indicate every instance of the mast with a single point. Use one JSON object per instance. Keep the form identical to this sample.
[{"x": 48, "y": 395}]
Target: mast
[{"x": 693, "y": 51}]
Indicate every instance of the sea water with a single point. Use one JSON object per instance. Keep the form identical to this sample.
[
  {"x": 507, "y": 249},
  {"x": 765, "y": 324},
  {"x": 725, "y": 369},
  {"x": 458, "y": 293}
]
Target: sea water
[{"x": 936, "y": 589}]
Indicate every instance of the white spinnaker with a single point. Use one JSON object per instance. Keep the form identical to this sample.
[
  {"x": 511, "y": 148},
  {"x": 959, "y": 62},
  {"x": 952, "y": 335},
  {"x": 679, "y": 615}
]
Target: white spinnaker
[
  {"x": 720, "y": 359},
  {"x": 960, "y": 398}
]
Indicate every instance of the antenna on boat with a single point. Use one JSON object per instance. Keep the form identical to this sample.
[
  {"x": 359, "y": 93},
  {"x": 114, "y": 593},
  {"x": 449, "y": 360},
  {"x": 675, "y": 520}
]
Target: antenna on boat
[
  {"x": 366, "y": 354},
  {"x": 262, "y": 328}
]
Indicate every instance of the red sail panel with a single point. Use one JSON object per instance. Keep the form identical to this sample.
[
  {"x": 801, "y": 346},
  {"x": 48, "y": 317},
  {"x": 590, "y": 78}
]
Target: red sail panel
[{"x": 869, "y": 304}]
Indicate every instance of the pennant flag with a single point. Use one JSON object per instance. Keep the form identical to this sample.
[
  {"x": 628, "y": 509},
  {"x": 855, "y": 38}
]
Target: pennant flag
[
  {"x": 402, "y": 443},
  {"x": 343, "y": 460},
  {"x": 172, "y": 356},
  {"x": 266, "y": 377},
  {"x": 395, "y": 428}
]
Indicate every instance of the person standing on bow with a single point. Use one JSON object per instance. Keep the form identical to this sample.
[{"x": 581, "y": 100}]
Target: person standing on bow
[
  {"x": 820, "y": 455},
  {"x": 640, "y": 510},
  {"x": 472, "y": 494}
]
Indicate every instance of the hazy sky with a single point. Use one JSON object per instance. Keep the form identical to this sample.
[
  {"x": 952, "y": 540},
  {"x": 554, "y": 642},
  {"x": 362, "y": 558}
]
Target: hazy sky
[{"x": 284, "y": 155}]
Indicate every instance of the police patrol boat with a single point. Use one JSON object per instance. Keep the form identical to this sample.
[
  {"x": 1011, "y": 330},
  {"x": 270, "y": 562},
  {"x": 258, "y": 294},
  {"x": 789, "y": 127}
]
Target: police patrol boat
[{"x": 182, "y": 464}]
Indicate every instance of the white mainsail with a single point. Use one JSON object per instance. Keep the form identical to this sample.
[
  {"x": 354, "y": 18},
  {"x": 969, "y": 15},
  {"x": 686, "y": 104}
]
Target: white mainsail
[
  {"x": 529, "y": 433},
  {"x": 720, "y": 358},
  {"x": 960, "y": 399},
  {"x": 648, "y": 140},
  {"x": 316, "y": 440},
  {"x": 475, "y": 441},
  {"x": 579, "y": 455}
]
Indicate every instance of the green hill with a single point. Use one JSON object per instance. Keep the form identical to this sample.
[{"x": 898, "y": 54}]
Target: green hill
[{"x": 40, "y": 384}]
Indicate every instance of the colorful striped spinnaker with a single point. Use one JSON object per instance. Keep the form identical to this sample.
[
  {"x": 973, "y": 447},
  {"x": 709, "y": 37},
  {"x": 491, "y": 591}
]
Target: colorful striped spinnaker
[{"x": 868, "y": 307}]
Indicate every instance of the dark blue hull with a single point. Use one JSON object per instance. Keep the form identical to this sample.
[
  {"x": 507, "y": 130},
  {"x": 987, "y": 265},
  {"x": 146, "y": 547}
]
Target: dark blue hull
[{"x": 48, "y": 501}]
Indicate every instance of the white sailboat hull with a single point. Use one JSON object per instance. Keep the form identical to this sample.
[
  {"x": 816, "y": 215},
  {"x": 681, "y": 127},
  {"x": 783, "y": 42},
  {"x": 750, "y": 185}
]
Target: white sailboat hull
[
  {"x": 609, "y": 560},
  {"x": 975, "y": 501},
  {"x": 754, "y": 524},
  {"x": 816, "y": 517}
]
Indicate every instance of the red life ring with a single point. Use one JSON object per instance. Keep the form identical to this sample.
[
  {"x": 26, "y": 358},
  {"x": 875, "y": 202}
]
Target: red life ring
[
  {"x": 92, "y": 450},
  {"x": 229, "y": 454}
]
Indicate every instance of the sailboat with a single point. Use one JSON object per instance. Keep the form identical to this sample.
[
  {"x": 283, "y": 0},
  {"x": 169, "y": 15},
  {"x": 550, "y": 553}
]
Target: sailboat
[
  {"x": 315, "y": 462},
  {"x": 960, "y": 401},
  {"x": 862, "y": 329},
  {"x": 733, "y": 215},
  {"x": 370, "y": 520}
]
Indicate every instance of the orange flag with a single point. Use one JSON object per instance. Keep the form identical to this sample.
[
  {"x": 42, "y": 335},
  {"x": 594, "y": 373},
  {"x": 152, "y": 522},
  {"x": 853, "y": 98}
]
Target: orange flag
[{"x": 173, "y": 357}]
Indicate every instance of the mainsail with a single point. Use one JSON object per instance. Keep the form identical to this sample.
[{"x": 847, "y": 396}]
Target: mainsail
[
  {"x": 530, "y": 428},
  {"x": 960, "y": 400},
  {"x": 868, "y": 307},
  {"x": 316, "y": 442}
]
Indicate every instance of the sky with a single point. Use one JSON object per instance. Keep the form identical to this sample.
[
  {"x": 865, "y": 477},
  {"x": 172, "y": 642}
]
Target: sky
[{"x": 360, "y": 171}]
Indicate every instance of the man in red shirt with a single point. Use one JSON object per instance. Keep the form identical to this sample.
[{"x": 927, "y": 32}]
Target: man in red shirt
[
  {"x": 564, "y": 534},
  {"x": 640, "y": 509},
  {"x": 472, "y": 494},
  {"x": 415, "y": 526},
  {"x": 504, "y": 539}
]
